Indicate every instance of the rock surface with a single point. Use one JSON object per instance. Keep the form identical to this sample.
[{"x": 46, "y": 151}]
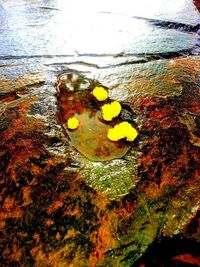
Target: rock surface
[{"x": 58, "y": 208}]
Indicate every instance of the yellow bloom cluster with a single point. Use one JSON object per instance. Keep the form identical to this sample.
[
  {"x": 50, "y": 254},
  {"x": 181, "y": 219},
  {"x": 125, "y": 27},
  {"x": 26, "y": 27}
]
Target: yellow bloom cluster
[
  {"x": 110, "y": 111},
  {"x": 122, "y": 130},
  {"x": 100, "y": 93},
  {"x": 72, "y": 123}
]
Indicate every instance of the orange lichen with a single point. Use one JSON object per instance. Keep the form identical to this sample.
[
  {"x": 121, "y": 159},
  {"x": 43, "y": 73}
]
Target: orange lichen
[
  {"x": 2, "y": 224},
  {"x": 72, "y": 211},
  {"x": 49, "y": 222},
  {"x": 104, "y": 238},
  {"x": 70, "y": 234},
  {"x": 35, "y": 250},
  {"x": 10, "y": 209},
  {"x": 101, "y": 201},
  {"x": 55, "y": 206},
  {"x": 26, "y": 195}
]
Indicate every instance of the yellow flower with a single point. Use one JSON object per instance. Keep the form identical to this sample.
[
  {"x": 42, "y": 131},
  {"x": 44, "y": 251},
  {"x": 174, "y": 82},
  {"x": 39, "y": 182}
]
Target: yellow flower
[
  {"x": 100, "y": 93},
  {"x": 72, "y": 123},
  {"x": 122, "y": 130},
  {"x": 110, "y": 111}
]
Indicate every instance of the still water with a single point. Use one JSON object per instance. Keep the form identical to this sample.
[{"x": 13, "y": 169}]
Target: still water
[{"x": 38, "y": 28}]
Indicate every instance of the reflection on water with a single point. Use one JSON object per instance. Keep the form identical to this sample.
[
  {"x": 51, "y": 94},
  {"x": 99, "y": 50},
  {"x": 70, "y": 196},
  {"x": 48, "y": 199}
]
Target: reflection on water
[
  {"x": 98, "y": 27},
  {"x": 166, "y": 10},
  {"x": 90, "y": 138}
]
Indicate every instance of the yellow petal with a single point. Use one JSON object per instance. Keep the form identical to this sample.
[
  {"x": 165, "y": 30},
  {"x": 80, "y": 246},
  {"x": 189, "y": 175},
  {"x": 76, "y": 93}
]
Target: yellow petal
[
  {"x": 110, "y": 111},
  {"x": 122, "y": 130},
  {"x": 72, "y": 123},
  {"x": 100, "y": 93}
]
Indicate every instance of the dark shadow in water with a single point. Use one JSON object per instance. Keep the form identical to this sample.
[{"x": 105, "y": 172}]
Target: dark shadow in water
[
  {"x": 171, "y": 25},
  {"x": 171, "y": 252}
]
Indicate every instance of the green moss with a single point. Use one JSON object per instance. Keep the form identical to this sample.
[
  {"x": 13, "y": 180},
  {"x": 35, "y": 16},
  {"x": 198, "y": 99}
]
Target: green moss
[{"x": 114, "y": 178}]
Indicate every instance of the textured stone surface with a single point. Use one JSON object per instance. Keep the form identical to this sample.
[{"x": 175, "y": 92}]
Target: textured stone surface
[{"x": 57, "y": 208}]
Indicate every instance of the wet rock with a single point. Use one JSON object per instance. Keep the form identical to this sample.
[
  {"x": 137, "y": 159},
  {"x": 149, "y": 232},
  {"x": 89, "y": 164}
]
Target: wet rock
[
  {"x": 68, "y": 209},
  {"x": 59, "y": 208}
]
